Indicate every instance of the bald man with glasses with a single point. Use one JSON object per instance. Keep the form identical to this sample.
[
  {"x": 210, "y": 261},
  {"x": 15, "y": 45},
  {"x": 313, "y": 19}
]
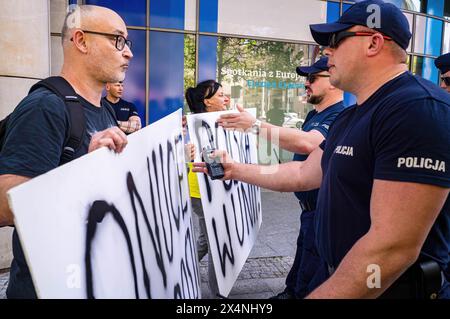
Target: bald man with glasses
[{"x": 96, "y": 51}]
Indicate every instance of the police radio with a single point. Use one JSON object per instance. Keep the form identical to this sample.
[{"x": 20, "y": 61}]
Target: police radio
[{"x": 215, "y": 169}]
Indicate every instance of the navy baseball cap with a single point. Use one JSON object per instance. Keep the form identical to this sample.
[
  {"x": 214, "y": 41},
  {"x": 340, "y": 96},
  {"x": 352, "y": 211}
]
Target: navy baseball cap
[
  {"x": 319, "y": 66},
  {"x": 443, "y": 63},
  {"x": 392, "y": 22}
]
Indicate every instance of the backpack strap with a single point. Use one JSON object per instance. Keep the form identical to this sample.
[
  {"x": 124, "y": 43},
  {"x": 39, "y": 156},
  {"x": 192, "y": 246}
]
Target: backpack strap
[
  {"x": 110, "y": 109},
  {"x": 65, "y": 91}
]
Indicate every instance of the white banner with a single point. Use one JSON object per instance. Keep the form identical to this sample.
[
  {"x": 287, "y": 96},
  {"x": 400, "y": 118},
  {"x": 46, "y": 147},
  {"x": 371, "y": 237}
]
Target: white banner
[
  {"x": 113, "y": 225},
  {"x": 232, "y": 209}
]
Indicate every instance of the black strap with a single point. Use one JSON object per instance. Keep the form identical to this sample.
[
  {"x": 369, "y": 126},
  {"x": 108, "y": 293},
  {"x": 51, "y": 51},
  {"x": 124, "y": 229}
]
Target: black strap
[
  {"x": 63, "y": 89},
  {"x": 110, "y": 109}
]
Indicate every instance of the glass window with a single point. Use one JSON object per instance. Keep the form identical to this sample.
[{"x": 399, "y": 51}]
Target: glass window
[
  {"x": 332, "y": 11},
  {"x": 261, "y": 74},
  {"x": 166, "y": 73},
  {"x": 419, "y": 38},
  {"x": 207, "y": 58},
  {"x": 134, "y": 83},
  {"x": 189, "y": 65},
  {"x": 208, "y": 15},
  {"x": 428, "y": 36},
  {"x": 446, "y": 44},
  {"x": 425, "y": 68},
  {"x": 167, "y": 14},
  {"x": 132, "y": 12},
  {"x": 190, "y": 14}
]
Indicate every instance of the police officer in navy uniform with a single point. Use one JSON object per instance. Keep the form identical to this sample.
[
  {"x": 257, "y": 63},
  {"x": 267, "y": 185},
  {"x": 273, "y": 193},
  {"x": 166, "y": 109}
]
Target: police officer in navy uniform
[
  {"x": 383, "y": 212},
  {"x": 126, "y": 112},
  {"x": 308, "y": 270},
  {"x": 443, "y": 64}
]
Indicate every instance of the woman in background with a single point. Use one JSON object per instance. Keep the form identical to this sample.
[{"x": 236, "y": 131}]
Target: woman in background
[{"x": 207, "y": 96}]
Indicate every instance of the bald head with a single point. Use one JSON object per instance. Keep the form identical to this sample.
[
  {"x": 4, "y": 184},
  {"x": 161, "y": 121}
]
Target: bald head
[
  {"x": 95, "y": 45},
  {"x": 88, "y": 17}
]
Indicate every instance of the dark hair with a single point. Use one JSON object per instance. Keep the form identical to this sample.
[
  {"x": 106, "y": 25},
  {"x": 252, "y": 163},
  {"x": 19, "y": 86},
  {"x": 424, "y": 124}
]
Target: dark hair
[{"x": 195, "y": 97}]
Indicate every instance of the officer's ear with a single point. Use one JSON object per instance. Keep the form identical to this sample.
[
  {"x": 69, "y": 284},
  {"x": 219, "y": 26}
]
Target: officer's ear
[
  {"x": 107, "y": 86},
  {"x": 375, "y": 45}
]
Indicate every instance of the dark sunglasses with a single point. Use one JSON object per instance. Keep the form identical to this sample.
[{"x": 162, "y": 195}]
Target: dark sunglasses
[
  {"x": 120, "y": 39},
  {"x": 311, "y": 78},
  {"x": 338, "y": 37},
  {"x": 446, "y": 80}
]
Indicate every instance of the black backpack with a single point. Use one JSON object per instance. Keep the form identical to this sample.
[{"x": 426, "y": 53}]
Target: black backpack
[{"x": 64, "y": 90}]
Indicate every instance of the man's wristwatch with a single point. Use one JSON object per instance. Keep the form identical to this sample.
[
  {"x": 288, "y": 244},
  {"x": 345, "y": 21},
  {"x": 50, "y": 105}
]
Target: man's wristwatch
[{"x": 256, "y": 127}]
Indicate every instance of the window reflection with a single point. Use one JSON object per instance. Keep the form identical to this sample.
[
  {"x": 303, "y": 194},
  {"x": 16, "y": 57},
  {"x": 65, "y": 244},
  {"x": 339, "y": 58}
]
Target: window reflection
[
  {"x": 446, "y": 43},
  {"x": 425, "y": 68},
  {"x": 261, "y": 74},
  {"x": 189, "y": 65}
]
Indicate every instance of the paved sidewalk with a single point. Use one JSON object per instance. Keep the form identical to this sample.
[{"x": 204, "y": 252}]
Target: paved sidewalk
[
  {"x": 265, "y": 271},
  {"x": 261, "y": 278},
  {"x": 270, "y": 260}
]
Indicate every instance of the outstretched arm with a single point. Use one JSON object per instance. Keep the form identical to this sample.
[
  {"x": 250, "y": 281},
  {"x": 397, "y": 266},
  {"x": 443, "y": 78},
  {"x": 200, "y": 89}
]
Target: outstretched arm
[
  {"x": 288, "y": 177},
  {"x": 290, "y": 139}
]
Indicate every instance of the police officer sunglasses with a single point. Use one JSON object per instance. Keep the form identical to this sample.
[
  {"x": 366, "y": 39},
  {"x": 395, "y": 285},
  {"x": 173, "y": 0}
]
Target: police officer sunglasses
[
  {"x": 311, "y": 78},
  {"x": 336, "y": 38},
  {"x": 120, "y": 39},
  {"x": 446, "y": 80}
]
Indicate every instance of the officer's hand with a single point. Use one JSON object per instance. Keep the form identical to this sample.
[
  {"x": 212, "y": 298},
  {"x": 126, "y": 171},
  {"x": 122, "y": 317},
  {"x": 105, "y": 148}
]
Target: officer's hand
[
  {"x": 221, "y": 156},
  {"x": 113, "y": 138},
  {"x": 242, "y": 120}
]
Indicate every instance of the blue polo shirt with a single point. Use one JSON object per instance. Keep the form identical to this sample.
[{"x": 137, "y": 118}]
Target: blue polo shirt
[
  {"x": 401, "y": 133},
  {"x": 320, "y": 121}
]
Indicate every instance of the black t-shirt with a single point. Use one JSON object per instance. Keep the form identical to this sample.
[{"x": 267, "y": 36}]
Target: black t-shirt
[
  {"x": 34, "y": 141},
  {"x": 123, "y": 109},
  {"x": 401, "y": 133}
]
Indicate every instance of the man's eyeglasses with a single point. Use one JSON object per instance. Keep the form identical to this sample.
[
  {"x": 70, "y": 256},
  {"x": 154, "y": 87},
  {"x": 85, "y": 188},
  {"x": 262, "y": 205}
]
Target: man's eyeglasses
[
  {"x": 446, "y": 80},
  {"x": 120, "y": 39},
  {"x": 311, "y": 78},
  {"x": 338, "y": 37}
]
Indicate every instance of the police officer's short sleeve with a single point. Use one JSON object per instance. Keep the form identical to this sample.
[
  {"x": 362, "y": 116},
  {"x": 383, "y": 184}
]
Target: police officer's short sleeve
[
  {"x": 35, "y": 137},
  {"x": 325, "y": 125},
  {"x": 133, "y": 110},
  {"x": 412, "y": 143}
]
